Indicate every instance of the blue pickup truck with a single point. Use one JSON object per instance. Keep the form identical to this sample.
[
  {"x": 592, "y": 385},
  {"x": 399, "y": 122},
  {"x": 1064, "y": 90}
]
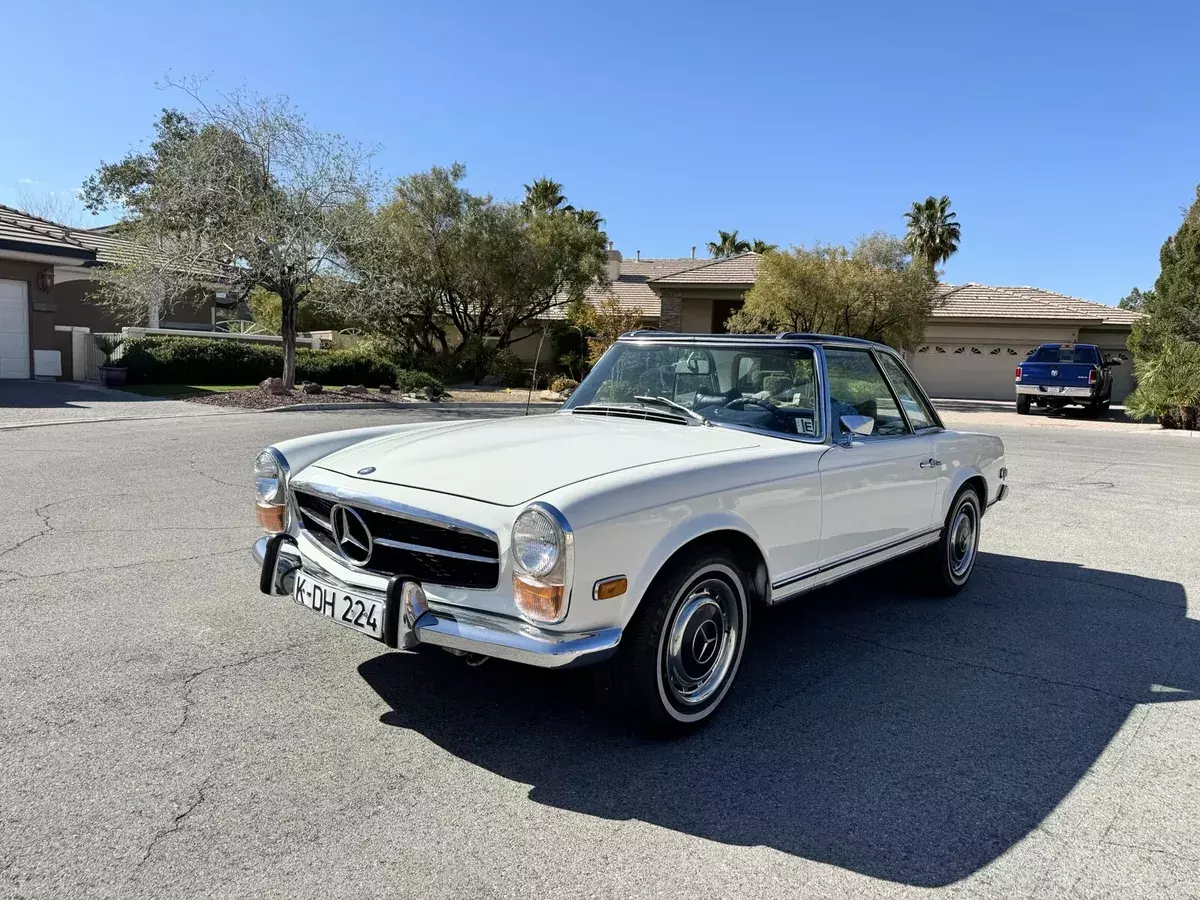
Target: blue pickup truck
[{"x": 1057, "y": 375}]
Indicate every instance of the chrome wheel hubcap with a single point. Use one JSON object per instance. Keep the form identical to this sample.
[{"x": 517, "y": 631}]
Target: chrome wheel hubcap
[
  {"x": 701, "y": 642},
  {"x": 962, "y": 541}
]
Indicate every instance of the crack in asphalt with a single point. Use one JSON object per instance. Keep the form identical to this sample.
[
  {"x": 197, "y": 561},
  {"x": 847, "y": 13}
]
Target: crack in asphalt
[
  {"x": 177, "y": 822},
  {"x": 973, "y": 665},
  {"x": 231, "y": 484},
  {"x": 42, "y": 513},
  {"x": 21, "y": 576},
  {"x": 189, "y": 680}
]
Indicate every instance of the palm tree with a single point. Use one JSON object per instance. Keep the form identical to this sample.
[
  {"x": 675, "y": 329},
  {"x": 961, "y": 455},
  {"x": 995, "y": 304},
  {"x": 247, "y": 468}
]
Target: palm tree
[
  {"x": 763, "y": 247},
  {"x": 545, "y": 195},
  {"x": 728, "y": 245},
  {"x": 933, "y": 234},
  {"x": 589, "y": 217}
]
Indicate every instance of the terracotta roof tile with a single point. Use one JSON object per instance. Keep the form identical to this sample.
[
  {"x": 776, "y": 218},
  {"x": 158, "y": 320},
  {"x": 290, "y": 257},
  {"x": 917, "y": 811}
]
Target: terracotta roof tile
[
  {"x": 981, "y": 301},
  {"x": 39, "y": 234},
  {"x": 739, "y": 269}
]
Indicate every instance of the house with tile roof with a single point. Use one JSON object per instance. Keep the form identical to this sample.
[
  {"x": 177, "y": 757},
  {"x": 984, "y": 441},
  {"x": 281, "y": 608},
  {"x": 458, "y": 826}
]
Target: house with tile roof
[
  {"x": 46, "y": 273},
  {"x": 973, "y": 341}
]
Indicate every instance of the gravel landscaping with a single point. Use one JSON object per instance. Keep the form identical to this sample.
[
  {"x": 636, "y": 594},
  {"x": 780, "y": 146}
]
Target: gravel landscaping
[{"x": 256, "y": 398}]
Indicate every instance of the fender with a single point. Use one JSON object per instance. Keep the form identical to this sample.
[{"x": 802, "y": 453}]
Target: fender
[{"x": 683, "y": 533}]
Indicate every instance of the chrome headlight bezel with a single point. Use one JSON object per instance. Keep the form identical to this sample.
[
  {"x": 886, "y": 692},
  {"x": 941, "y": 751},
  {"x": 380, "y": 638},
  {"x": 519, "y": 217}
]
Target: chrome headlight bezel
[
  {"x": 270, "y": 478},
  {"x": 553, "y": 577}
]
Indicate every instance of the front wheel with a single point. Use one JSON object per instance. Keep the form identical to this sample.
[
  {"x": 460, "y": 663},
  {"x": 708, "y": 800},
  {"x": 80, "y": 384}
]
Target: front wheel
[
  {"x": 681, "y": 651},
  {"x": 952, "y": 559},
  {"x": 1022, "y": 404}
]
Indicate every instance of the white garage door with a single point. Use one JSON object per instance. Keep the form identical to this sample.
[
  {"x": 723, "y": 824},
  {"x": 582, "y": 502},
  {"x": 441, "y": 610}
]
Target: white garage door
[
  {"x": 14, "y": 330},
  {"x": 968, "y": 371}
]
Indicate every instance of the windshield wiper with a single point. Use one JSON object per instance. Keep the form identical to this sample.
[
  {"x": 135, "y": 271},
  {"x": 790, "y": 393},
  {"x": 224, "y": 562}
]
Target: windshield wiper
[{"x": 663, "y": 401}]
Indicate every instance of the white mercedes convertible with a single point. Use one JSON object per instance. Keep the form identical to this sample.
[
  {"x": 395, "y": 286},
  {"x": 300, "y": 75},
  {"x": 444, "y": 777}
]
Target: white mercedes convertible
[{"x": 688, "y": 479}]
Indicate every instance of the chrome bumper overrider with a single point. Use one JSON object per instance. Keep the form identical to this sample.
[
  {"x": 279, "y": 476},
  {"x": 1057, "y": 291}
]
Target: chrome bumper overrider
[
  {"x": 469, "y": 631},
  {"x": 1034, "y": 390}
]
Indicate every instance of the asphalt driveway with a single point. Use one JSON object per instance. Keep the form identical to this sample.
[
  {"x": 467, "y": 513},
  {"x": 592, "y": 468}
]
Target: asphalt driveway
[{"x": 168, "y": 731}]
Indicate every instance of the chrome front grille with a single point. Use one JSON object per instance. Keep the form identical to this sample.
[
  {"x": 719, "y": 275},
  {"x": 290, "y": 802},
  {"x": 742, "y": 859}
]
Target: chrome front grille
[{"x": 408, "y": 542}]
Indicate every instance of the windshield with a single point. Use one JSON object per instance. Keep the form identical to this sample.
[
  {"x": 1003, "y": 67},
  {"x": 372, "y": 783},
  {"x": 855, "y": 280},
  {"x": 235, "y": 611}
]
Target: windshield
[
  {"x": 1065, "y": 353},
  {"x": 752, "y": 385}
]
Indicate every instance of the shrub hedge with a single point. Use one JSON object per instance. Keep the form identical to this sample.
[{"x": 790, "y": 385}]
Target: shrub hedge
[{"x": 186, "y": 360}]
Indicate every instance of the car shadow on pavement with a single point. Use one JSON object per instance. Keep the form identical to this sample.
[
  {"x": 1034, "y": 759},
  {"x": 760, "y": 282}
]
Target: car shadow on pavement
[{"x": 899, "y": 736}]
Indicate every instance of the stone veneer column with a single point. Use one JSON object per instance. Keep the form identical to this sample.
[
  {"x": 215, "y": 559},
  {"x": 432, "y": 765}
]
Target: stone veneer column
[{"x": 671, "y": 317}]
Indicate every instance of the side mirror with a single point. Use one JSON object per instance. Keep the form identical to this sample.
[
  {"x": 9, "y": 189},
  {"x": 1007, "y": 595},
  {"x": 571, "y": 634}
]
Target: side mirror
[{"x": 857, "y": 425}]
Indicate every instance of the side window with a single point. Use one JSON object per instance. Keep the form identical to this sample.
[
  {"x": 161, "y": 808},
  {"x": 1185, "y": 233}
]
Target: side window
[
  {"x": 857, "y": 388},
  {"x": 919, "y": 414}
]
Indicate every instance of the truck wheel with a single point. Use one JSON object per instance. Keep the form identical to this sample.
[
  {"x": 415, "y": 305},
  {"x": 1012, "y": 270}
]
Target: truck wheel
[
  {"x": 950, "y": 562},
  {"x": 680, "y": 653},
  {"x": 1092, "y": 410},
  {"x": 1022, "y": 404}
]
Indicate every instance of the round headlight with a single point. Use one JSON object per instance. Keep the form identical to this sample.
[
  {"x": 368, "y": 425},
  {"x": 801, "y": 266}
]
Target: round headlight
[
  {"x": 268, "y": 480},
  {"x": 537, "y": 543}
]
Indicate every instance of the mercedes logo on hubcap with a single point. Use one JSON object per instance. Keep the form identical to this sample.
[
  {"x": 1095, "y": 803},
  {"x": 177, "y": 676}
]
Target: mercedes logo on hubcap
[
  {"x": 351, "y": 535},
  {"x": 704, "y": 642}
]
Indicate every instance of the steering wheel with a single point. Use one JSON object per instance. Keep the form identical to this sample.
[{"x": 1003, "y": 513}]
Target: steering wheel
[{"x": 742, "y": 401}]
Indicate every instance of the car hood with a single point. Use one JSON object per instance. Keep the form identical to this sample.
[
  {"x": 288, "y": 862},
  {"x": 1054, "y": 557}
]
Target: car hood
[{"x": 514, "y": 460}]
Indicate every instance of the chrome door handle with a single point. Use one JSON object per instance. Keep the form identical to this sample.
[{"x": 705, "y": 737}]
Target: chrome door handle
[{"x": 931, "y": 463}]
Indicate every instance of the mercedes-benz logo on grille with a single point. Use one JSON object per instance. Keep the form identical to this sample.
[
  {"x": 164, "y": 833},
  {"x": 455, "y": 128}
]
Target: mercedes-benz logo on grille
[
  {"x": 351, "y": 535},
  {"x": 704, "y": 642}
]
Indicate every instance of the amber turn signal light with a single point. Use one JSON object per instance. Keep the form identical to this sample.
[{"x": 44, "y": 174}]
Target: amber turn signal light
[
  {"x": 539, "y": 602},
  {"x": 270, "y": 518},
  {"x": 607, "y": 588}
]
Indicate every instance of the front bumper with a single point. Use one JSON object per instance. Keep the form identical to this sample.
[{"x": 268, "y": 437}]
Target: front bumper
[
  {"x": 1049, "y": 393},
  {"x": 459, "y": 630}
]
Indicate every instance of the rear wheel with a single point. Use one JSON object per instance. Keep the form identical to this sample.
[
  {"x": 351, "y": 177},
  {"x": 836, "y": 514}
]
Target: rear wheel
[
  {"x": 1022, "y": 404},
  {"x": 681, "y": 651},
  {"x": 952, "y": 559}
]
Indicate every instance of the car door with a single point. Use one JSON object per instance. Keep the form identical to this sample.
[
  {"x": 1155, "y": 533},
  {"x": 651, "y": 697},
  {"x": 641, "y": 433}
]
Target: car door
[{"x": 877, "y": 490}]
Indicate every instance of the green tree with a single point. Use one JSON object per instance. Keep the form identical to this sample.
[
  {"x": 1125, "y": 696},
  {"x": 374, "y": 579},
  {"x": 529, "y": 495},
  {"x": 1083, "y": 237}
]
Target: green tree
[
  {"x": 727, "y": 244},
  {"x": 245, "y": 181},
  {"x": 1136, "y": 300},
  {"x": 933, "y": 234},
  {"x": 762, "y": 246},
  {"x": 1172, "y": 309},
  {"x": 459, "y": 275},
  {"x": 545, "y": 195},
  {"x": 838, "y": 291}
]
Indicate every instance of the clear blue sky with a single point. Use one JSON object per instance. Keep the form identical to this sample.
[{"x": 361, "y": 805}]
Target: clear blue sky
[{"x": 1066, "y": 134}]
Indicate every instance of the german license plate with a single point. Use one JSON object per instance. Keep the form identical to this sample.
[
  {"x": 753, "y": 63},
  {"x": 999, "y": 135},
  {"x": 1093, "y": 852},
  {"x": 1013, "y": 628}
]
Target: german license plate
[{"x": 355, "y": 611}]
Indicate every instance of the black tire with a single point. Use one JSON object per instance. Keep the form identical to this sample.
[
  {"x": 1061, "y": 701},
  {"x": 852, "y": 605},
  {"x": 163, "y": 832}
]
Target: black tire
[
  {"x": 1022, "y": 404},
  {"x": 1093, "y": 409},
  {"x": 950, "y": 562},
  {"x": 643, "y": 683}
]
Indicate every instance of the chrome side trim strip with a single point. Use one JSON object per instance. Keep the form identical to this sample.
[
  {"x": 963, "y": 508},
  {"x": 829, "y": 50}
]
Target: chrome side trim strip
[
  {"x": 434, "y": 551},
  {"x": 857, "y": 557}
]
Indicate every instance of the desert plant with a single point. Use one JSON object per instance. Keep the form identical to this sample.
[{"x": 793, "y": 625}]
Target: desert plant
[
  {"x": 1168, "y": 386},
  {"x": 563, "y": 385},
  {"x": 107, "y": 344}
]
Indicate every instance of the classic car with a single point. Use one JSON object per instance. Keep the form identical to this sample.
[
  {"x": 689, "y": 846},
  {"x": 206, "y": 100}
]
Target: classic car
[{"x": 688, "y": 479}]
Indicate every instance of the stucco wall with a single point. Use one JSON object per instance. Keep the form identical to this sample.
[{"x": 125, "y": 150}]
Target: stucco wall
[
  {"x": 42, "y": 309},
  {"x": 74, "y": 308}
]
